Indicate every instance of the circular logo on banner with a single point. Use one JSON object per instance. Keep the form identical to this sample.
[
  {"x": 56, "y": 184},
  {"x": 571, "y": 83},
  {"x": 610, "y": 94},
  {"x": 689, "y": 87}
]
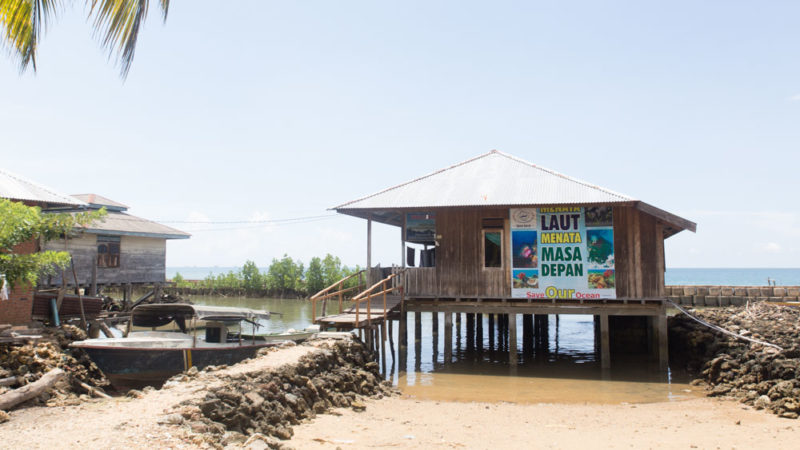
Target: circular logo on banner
[{"x": 524, "y": 216}]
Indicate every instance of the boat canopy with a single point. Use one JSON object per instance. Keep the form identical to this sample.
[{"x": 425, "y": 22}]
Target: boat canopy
[{"x": 159, "y": 314}]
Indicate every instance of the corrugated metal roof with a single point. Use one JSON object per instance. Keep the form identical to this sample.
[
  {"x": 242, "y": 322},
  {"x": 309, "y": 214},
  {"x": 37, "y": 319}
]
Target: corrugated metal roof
[
  {"x": 120, "y": 223},
  {"x": 491, "y": 179},
  {"x": 15, "y": 187},
  {"x": 99, "y": 200}
]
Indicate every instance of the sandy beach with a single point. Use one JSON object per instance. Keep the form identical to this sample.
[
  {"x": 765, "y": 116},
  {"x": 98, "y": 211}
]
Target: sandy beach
[
  {"x": 408, "y": 423},
  {"x": 405, "y": 421}
]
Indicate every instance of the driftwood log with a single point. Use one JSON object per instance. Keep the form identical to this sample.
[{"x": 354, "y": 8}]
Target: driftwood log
[
  {"x": 10, "y": 381},
  {"x": 27, "y": 392}
]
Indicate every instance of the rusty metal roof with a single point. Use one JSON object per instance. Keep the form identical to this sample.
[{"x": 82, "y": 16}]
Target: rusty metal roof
[
  {"x": 15, "y": 187},
  {"x": 120, "y": 223},
  {"x": 99, "y": 200},
  {"x": 491, "y": 179},
  {"x": 494, "y": 179}
]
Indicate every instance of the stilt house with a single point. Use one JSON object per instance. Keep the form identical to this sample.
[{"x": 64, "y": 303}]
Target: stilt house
[
  {"x": 15, "y": 305},
  {"x": 498, "y": 235},
  {"x": 120, "y": 249}
]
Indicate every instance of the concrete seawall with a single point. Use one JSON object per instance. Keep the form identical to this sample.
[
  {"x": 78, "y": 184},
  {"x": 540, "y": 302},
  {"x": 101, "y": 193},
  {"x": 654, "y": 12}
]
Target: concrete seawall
[{"x": 730, "y": 295}]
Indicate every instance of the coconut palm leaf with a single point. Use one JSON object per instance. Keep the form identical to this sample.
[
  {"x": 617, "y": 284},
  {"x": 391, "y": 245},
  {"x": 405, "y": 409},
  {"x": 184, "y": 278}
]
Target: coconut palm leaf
[
  {"x": 117, "y": 22},
  {"x": 21, "y": 25}
]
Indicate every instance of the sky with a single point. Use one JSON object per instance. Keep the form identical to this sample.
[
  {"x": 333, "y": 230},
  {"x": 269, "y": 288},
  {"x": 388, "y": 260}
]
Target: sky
[{"x": 272, "y": 110}]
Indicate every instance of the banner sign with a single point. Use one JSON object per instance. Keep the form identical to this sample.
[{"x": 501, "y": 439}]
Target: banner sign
[
  {"x": 562, "y": 252},
  {"x": 421, "y": 227}
]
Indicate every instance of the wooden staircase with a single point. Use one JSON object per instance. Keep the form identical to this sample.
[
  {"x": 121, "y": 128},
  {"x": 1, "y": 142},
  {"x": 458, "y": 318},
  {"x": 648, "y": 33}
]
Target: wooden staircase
[{"x": 371, "y": 307}]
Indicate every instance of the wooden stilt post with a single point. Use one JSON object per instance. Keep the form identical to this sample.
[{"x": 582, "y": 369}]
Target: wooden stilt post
[
  {"x": 527, "y": 334},
  {"x": 383, "y": 346},
  {"x": 512, "y": 339},
  {"x": 435, "y": 335},
  {"x": 605, "y": 351},
  {"x": 417, "y": 326},
  {"x": 663, "y": 341},
  {"x": 491, "y": 331},
  {"x": 391, "y": 338},
  {"x": 470, "y": 330},
  {"x": 448, "y": 337},
  {"x": 402, "y": 338},
  {"x": 458, "y": 331},
  {"x": 479, "y": 331}
]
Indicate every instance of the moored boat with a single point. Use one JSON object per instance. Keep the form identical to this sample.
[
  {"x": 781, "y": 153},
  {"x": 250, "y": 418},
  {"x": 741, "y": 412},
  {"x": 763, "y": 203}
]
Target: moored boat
[{"x": 145, "y": 358}]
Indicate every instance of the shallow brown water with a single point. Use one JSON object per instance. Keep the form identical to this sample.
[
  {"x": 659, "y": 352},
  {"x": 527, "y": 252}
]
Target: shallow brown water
[{"x": 566, "y": 370}]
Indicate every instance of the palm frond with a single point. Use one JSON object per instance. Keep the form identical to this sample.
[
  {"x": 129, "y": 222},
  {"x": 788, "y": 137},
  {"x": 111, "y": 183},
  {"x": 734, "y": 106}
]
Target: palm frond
[
  {"x": 21, "y": 26},
  {"x": 120, "y": 21}
]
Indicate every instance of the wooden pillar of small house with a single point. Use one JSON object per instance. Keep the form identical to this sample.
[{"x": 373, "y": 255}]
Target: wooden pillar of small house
[
  {"x": 527, "y": 334},
  {"x": 512, "y": 339},
  {"x": 596, "y": 320},
  {"x": 605, "y": 349},
  {"x": 369, "y": 250},
  {"x": 402, "y": 337},
  {"x": 417, "y": 326},
  {"x": 479, "y": 331},
  {"x": 470, "y": 331},
  {"x": 663, "y": 345},
  {"x": 382, "y": 340},
  {"x": 501, "y": 331},
  {"x": 491, "y": 331},
  {"x": 458, "y": 332},
  {"x": 391, "y": 341},
  {"x": 435, "y": 335},
  {"x": 93, "y": 286},
  {"x": 448, "y": 337}
]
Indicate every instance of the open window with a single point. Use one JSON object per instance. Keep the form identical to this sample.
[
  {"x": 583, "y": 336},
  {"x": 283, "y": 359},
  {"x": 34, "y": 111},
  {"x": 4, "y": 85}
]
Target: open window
[
  {"x": 492, "y": 243},
  {"x": 108, "y": 251}
]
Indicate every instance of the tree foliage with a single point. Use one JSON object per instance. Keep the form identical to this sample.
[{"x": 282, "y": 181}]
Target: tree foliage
[
  {"x": 20, "y": 224},
  {"x": 115, "y": 22}
]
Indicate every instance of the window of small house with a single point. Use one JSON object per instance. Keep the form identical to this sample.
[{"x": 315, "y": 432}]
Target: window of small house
[
  {"x": 108, "y": 251},
  {"x": 492, "y": 248}
]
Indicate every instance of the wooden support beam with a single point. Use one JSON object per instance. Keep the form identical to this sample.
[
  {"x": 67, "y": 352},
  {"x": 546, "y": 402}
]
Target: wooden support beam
[
  {"x": 369, "y": 250},
  {"x": 402, "y": 339},
  {"x": 605, "y": 350},
  {"x": 448, "y": 337},
  {"x": 663, "y": 350},
  {"x": 512, "y": 339},
  {"x": 479, "y": 331},
  {"x": 391, "y": 338},
  {"x": 417, "y": 327},
  {"x": 491, "y": 331}
]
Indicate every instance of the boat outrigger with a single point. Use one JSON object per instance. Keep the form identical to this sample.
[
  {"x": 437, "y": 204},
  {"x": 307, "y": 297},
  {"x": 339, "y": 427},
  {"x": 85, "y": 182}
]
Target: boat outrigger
[{"x": 145, "y": 358}]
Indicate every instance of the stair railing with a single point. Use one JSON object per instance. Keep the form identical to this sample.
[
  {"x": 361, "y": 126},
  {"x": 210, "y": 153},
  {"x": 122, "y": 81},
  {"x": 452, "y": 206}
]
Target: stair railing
[
  {"x": 383, "y": 288},
  {"x": 335, "y": 290}
]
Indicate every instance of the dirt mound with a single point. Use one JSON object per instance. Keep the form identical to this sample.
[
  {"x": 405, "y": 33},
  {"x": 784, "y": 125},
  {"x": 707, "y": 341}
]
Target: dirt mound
[{"x": 758, "y": 375}]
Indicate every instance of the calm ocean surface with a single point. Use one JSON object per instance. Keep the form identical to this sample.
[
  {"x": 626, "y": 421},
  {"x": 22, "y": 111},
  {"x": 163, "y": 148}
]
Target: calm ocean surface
[{"x": 731, "y": 277}]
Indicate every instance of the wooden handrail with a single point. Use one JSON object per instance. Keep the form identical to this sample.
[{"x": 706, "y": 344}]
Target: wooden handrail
[
  {"x": 325, "y": 291},
  {"x": 324, "y": 294},
  {"x": 370, "y": 295}
]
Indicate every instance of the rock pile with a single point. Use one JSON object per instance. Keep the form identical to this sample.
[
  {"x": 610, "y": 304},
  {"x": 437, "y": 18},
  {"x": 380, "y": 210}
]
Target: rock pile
[
  {"x": 265, "y": 405},
  {"x": 27, "y": 363},
  {"x": 758, "y": 375}
]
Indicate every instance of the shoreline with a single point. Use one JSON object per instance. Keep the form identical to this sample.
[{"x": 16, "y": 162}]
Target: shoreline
[
  {"x": 406, "y": 422},
  {"x": 167, "y": 418}
]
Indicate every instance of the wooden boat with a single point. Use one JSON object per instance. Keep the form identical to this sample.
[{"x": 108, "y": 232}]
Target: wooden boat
[
  {"x": 291, "y": 335},
  {"x": 148, "y": 358}
]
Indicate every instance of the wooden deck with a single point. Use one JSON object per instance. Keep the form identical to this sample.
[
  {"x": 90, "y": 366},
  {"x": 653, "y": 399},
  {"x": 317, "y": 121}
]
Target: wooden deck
[{"x": 347, "y": 319}]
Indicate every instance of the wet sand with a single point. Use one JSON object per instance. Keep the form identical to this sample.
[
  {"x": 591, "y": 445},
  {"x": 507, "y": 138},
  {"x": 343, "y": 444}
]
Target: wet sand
[{"x": 409, "y": 423}]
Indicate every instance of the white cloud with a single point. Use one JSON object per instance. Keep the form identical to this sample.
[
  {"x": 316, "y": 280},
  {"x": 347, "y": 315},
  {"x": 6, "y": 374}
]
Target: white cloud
[
  {"x": 771, "y": 247},
  {"x": 794, "y": 98}
]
